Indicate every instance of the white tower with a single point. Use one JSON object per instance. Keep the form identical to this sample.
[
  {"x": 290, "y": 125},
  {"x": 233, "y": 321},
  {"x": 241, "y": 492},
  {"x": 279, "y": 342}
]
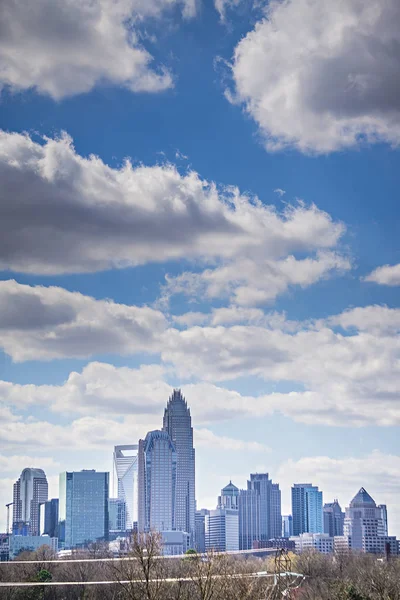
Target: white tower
[{"x": 126, "y": 469}]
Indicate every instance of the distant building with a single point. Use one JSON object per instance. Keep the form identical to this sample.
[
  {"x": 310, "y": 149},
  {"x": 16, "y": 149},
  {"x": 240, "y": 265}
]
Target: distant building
[
  {"x": 260, "y": 516},
  {"x": 307, "y": 509},
  {"x": 365, "y": 526},
  {"x": 249, "y": 518},
  {"x": 157, "y": 467},
  {"x": 125, "y": 459},
  {"x": 287, "y": 526},
  {"x": 48, "y": 518},
  {"x": 200, "y": 522},
  {"x": 83, "y": 508},
  {"x": 29, "y": 491},
  {"x": 177, "y": 423},
  {"x": 116, "y": 515},
  {"x": 229, "y": 497},
  {"x": 277, "y": 543},
  {"x": 222, "y": 530},
  {"x": 321, "y": 542},
  {"x": 333, "y": 519},
  {"x": 29, "y": 543},
  {"x": 4, "y": 547},
  {"x": 175, "y": 542}
]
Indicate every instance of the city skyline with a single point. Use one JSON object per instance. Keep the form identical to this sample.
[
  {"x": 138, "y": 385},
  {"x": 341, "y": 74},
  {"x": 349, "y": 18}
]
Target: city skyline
[{"x": 148, "y": 477}]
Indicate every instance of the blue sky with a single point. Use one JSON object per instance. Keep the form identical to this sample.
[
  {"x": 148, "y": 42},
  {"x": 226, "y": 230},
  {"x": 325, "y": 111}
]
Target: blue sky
[{"x": 248, "y": 252}]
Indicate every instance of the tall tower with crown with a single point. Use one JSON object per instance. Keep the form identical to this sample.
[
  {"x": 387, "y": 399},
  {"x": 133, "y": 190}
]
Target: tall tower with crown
[{"x": 178, "y": 423}]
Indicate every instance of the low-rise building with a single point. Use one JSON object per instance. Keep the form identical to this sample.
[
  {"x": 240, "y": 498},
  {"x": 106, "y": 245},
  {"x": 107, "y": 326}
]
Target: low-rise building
[
  {"x": 321, "y": 542},
  {"x": 29, "y": 543}
]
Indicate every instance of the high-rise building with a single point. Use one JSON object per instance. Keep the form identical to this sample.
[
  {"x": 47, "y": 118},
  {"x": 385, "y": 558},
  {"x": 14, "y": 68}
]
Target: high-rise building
[
  {"x": 177, "y": 423},
  {"x": 29, "y": 491},
  {"x": 48, "y": 518},
  {"x": 365, "y": 526},
  {"x": 333, "y": 519},
  {"x": 200, "y": 521},
  {"x": 275, "y": 512},
  {"x": 259, "y": 519},
  {"x": 125, "y": 460},
  {"x": 83, "y": 508},
  {"x": 116, "y": 515},
  {"x": 384, "y": 520},
  {"x": 307, "y": 509},
  {"x": 249, "y": 518},
  {"x": 287, "y": 526},
  {"x": 157, "y": 470}
]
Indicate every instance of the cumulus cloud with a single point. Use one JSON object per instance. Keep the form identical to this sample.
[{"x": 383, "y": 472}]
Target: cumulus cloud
[
  {"x": 385, "y": 275},
  {"x": 62, "y": 213},
  {"x": 321, "y": 76},
  {"x": 346, "y": 374},
  {"x": 342, "y": 478},
  {"x": 66, "y": 47},
  {"x": 253, "y": 281},
  {"x": 42, "y": 323}
]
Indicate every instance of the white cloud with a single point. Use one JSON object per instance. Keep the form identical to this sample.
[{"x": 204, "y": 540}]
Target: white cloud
[
  {"x": 280, "y": 192},
  {"x": 19, "y": 462},
  {"x": 351, "y": 378},
  {"x": 385, "y": 275},
  {"x": 205, "y": 437},
  {"x": 45, "y": 323},
  {"x": 341, "y": 478},
  {"x": 222, "y": 6},
  {"x": 254, "y": 280},
  {"x": 62, "y": 213},
  {"x": 66, "y": 47},
  {"x": 326, "y": 84}
]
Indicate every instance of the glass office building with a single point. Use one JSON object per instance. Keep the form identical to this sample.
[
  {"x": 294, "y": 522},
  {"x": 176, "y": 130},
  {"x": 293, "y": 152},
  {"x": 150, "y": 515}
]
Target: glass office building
[{"x": 83, "y": 508}]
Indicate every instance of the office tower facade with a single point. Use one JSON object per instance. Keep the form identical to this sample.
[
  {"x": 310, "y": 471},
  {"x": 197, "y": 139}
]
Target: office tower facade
[
  {"x": 125, "y": 459},
  {"x": 249, "y": 518},
  {"x": 287, "y": 526},
  {"x": 177, "y": 423},
  {"x": 383, "y": 530},
  {"x": 307, "y": 509},
  {"x": 333, "y": 519},
  {"x": 222, "y": 530},
  {"x": 364, "y": 524},
  {"x": 200, "y": 522},
  {"x": 83, "y": 508},
  {"x": 268, "y": 524},
  {"x": 30, "y": 490},
  {"x": 157, "y": 468},
  {"x": 116, "y": 515},
  {"x": 275, "y": 512},
  {"x": 48, "y": 518}
]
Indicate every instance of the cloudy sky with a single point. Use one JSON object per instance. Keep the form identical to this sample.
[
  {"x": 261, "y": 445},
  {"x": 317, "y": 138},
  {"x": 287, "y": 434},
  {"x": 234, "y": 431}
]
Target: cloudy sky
[{"x": 205, "y": 195}]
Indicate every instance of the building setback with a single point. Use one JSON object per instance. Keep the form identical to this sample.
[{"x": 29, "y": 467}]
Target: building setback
[
  {"x": 83, "y": 508},
  {"x": 333, "y": 519}
]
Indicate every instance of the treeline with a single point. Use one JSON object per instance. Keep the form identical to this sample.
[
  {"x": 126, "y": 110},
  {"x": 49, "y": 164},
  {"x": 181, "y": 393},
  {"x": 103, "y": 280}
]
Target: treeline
[{"x": 149, "y": 576}]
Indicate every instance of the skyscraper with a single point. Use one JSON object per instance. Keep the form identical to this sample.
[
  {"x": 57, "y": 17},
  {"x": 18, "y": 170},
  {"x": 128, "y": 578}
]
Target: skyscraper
[
  {"x": 364, "y": 525},
  {"x": 249, "y": 517},
  {"x": 157, "y": 467},
  {"x": 307, "y": 509},
  {"x": 30, "y": 490},
  {"x": 126, "y": 469},
  {"x": 333, "y": 519},
  {"x": 116, "y": 515},
  {"x": 178, "y": 424},
  {"x": 83, "y": 508}
]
